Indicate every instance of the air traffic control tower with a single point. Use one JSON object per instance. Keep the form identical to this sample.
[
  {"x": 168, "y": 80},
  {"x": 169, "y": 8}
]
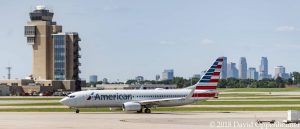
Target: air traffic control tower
[{"x": 55, "y": 53}]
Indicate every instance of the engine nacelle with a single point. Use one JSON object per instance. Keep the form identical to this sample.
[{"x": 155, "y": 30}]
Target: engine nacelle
[{"x": 131, "y": 106}]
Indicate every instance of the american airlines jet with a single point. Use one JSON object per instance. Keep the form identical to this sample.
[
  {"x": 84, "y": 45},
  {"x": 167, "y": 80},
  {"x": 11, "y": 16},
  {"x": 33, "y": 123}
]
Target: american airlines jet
[{"x": 142, "y": 100}]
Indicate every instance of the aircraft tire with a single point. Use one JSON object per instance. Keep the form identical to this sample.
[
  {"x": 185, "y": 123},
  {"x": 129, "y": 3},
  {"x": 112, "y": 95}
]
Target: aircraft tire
[
  {"x": 140, "y": 111},
  {"x": 147, "y": 110},
  {"x": 77, "y": 111}
]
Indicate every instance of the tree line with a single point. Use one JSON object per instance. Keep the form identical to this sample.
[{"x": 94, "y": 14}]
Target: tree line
[
  {"x": 181, "y": 82},
  {"x": 248, "y": 83},
  {"x": 230, "y": 82}
]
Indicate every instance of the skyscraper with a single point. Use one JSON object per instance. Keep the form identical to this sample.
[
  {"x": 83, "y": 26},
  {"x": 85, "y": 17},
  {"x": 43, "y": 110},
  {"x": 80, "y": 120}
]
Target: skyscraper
[
  {"x": 93, "y": 79},
  {"x": 105, "y": 81},
  {"x": 280, "y": 72},
  {"x": 198, "y": 76},
  {"x": 139, "y": 78},
  {"x": 157, "y": 77},
  {"x": 252, "y": 74},
  {"x": 224, "y": 69},
  {"x": 168, "y": 74},
  {"x": 243, "y": 68},
  {"x": 232, "y": 70},
  {"x": 263, "y": 68},
  {"x": 55, "y": 54}
]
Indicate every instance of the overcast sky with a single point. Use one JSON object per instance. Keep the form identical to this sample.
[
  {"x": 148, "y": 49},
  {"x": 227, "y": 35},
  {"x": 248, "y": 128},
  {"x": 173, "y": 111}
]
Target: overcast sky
[{"x": 125, "y": 38}]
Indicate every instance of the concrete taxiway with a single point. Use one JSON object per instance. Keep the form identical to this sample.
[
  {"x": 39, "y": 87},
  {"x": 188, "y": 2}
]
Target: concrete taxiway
[{"x": 156, "y": 120}]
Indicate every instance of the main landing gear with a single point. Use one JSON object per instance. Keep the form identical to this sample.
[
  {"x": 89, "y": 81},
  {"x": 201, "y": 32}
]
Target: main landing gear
[
  {"x": 77, "y": 110},
  {"x": 140, "y": 111},
  {"x": 147, "y": 110}
]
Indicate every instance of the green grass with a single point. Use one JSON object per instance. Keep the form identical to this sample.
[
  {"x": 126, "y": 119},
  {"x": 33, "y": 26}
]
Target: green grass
[
  {"x": 247, "y": 102},
  {"x": 25, "y": 98},
  {"x": 258, "y": 89},
  {"x": 242, "y": 95},
  {"x": 261, "y": 96},
  {"x": 267, "y": 96},
  {"x": 165, "y": 109},
  {"x": 32, "y": 104},
  {"x": 53, "y": 110}
]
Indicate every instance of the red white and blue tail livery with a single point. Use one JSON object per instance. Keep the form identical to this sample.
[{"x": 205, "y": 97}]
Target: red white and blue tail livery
[
  {"x": 209, "y": 81},
  {"x": 143, "y": 100}
]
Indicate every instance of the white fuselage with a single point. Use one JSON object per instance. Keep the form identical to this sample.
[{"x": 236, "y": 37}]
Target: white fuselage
[
  {"x": 116, "y": 98},
  {"x": 137, "y": 100}
]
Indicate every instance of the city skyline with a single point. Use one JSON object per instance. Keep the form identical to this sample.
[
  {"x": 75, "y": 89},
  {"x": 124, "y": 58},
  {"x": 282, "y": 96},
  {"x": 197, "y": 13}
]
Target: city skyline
[{"x": 126, "y": 39}]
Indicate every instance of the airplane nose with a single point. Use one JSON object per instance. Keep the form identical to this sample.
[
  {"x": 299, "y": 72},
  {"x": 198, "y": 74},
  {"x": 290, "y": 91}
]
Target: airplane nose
[{"x": 64, "y": 101}]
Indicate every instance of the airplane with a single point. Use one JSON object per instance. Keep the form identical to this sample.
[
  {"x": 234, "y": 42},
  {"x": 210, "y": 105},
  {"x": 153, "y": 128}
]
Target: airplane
[{"x": 143, "y": 100}]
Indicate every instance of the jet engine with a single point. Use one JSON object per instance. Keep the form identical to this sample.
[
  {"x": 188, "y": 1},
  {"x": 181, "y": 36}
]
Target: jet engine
[{"x": 131, "y": 106}]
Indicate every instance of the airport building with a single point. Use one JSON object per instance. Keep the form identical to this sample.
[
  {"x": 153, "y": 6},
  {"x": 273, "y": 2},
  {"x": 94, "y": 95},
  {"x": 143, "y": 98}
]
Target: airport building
[
  {"x": 55, "y": 64},
  {"x": 4, "y": 90},
  {"x": 55, "y": 53}
]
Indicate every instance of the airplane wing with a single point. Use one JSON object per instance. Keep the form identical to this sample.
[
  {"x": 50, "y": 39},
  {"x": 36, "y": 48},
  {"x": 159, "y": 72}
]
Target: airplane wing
[{"x": 158, "y": 101}]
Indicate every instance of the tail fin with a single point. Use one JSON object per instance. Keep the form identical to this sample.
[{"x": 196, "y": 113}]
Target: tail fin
[{"x": 209, "y": 81}]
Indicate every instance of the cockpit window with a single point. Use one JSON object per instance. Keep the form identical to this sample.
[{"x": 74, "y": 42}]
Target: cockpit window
[{"x": 71, "y": 96}]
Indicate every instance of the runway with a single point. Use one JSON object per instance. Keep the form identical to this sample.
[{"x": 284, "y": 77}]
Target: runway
[{"x": 156, "y": 120}]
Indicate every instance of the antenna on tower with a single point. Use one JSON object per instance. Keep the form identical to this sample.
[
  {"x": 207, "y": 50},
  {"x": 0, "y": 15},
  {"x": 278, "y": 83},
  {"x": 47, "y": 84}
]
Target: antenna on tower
[{"x": 8, "y": 75}]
